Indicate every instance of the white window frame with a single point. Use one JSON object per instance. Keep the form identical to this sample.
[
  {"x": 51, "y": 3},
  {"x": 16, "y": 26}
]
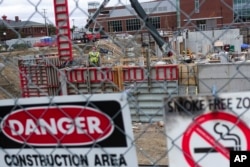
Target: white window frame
[{"x": 197, "y": 6}]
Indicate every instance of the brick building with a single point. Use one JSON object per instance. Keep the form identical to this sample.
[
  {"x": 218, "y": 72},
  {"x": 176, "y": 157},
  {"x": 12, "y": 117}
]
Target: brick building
[
  {"x": 211, "y": 15},
  {"x": 174, "y": 14},
  {"x": 121, "y": 19},
  {"x": 206, "y": 15},
  {"x": 24, "y": 28}
]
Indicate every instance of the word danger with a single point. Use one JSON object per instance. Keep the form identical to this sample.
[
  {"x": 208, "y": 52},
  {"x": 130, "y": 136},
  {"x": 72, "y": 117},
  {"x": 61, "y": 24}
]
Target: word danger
[
  {"x": 73, "y": 125},
  {"x": 64, "y": 160},
  {"x": 197, "y": 105},
  {"x": 79, "y": 125}
]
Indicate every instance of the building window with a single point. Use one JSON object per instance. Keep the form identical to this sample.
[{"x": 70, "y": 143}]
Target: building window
[
  {"x": 241, "y": 10},
  {"x": 155, "y": 21},
  {"x": 133, "y": 24},
  {"x": 197, "y": 6},
  {"x": 115, "y": 26},
  {"x": 201, "y": 25}
]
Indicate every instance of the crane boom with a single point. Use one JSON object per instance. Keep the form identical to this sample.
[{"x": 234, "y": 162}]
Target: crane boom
[
  {"x": 97, "y": 12},
  {"x": 164, "y": 46}
]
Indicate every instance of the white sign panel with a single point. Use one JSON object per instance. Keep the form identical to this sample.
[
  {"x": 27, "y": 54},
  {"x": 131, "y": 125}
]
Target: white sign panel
[
  {"x": 203, "y": 130},
  {"x": 68, "y": 131}
]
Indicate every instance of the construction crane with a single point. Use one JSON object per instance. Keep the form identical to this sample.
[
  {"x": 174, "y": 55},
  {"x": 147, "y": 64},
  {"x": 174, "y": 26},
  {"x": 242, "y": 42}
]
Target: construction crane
[
  {"x": 93, "y": 36},
  {"x": 163, "y": 45}
]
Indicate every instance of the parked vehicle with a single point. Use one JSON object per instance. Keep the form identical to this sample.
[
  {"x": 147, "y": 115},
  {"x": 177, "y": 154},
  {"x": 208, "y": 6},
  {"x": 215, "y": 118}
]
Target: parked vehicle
[
  {"x": 44, "y": 42},
  {"x": 93, "y": 35}
]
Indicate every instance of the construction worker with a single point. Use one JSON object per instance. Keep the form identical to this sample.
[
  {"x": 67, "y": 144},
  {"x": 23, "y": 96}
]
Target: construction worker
[{"x": 94, "y": 58}]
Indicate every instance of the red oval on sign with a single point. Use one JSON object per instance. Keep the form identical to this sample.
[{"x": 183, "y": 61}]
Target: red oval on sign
[{"x": 60, "y": 125}]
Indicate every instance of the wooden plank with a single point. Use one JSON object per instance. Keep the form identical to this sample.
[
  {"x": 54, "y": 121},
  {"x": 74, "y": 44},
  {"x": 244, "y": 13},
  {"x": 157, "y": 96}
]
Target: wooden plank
[{"x": 188, "y": 74}]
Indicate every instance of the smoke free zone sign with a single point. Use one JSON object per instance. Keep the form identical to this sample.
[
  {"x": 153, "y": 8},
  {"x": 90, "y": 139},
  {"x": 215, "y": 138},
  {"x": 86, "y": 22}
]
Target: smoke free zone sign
[
  {"x": 214, "y": 130},
  {"x": 67, "y": 131}
]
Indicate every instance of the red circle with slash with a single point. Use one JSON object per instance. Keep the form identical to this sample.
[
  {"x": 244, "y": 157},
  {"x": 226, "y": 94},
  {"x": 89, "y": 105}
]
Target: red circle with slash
[{"x": 195, "y": 127}]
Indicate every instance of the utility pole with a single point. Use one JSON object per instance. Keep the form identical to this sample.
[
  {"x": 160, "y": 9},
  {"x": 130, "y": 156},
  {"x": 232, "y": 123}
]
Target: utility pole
[
  {"x": 45, "y": 21},
  {"x": 73, "y": 28},
  {"x": 178, "y": 26},
  {"x": 73, "y": 21}
]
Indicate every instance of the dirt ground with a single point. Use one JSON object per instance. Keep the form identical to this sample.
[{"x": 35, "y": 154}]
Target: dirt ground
[
  {"x": 150, "y": 140},
  {"x": 9, "y": 80}
]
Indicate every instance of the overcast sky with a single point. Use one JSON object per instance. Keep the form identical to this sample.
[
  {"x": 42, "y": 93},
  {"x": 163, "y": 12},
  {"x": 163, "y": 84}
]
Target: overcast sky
[{"x": 34, "y": 10}]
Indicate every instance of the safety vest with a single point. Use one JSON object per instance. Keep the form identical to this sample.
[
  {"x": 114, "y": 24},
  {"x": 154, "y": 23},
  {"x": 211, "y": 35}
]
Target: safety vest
[{"x": 94, "y": 57}]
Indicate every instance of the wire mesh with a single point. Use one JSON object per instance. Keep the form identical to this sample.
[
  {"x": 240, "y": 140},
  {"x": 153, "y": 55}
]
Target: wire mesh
[{"x": 162, "y": 51}]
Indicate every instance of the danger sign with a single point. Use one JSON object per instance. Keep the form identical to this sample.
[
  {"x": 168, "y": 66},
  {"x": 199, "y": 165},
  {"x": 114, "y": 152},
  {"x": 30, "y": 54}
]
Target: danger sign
[
  {"x": 79, "y": 125},
  {"x": 203, "y": 130},
  {"x": 69, "y": 131}
]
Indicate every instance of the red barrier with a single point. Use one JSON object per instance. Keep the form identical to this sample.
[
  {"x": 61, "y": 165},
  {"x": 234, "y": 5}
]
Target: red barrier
[
  {"x": 133, "y": 74},
  {"x": 79, "y": 75},
  {"x": 37, "y": 78},
  {"x": 76, "y": 75},
  {"x": 164, "y": 72},
  {"x": 100, "y": 74},
  {"x": 33, "y": 81},
  {"x": 159, "y": 73}
]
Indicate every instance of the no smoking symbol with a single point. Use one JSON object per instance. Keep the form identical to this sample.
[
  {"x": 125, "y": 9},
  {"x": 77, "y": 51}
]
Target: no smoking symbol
[{"x": 210, "y": 139}]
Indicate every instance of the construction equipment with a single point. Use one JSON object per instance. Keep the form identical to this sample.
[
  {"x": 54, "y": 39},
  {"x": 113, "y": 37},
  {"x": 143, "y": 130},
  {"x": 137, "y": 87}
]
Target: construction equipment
[
  {"x": 187, "y": 56},
  {"x": 93, "y": 35},
  {"x": 163, "y": 45}
]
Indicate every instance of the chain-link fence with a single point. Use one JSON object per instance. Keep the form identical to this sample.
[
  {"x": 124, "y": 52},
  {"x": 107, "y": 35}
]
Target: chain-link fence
[{"x": 165, "y": 57}]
